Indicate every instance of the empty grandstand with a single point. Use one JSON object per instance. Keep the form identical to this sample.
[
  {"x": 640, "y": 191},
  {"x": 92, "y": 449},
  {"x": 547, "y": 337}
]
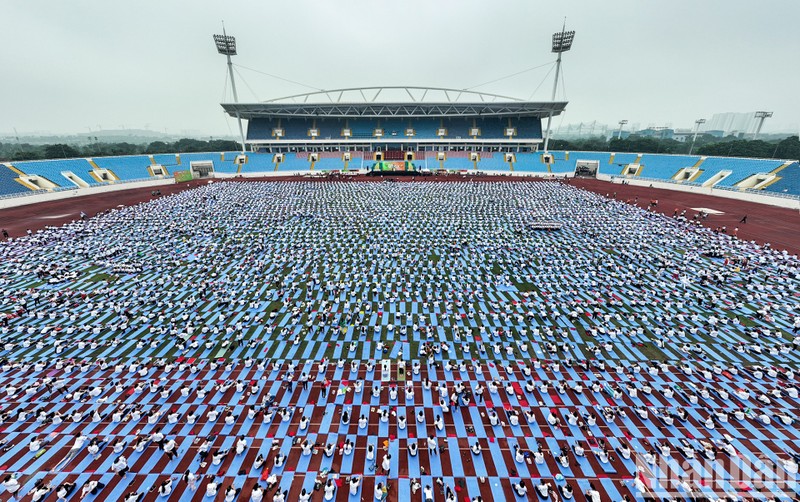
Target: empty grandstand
[{"x": 513, "y": 158}]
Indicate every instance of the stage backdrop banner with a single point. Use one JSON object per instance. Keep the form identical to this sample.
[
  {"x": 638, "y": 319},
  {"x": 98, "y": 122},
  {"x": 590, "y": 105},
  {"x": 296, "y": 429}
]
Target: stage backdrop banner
[
  {"x": 182, "y": 176},
  {"x": 397, "y": 165}
]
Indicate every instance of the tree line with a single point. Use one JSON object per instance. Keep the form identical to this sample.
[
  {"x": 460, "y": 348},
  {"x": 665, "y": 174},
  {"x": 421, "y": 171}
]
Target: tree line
[
  {"x": 788, "y": 148},
  {"x": 26, "y": 151}
]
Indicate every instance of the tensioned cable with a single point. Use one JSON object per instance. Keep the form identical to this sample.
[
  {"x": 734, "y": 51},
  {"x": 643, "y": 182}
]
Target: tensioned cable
[
  {"x": 246, "y": 84},
  {"x": 280, "y": 78},
  {"x": 224, "y": 89},
  {"x": 542, "y": 82},
  {"x": 507, "y": 76},
  {"x": 227, "y": 117}
]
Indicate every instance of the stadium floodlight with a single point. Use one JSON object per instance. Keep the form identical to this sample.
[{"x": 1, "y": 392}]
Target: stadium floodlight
[
  {"x": 621, "y": 125},
  {"x": 226, "y": 45},
  {"x": 761, "y": 116},
  {"x": 562, "y": 42},
  {"x": 697, "y": 124}
]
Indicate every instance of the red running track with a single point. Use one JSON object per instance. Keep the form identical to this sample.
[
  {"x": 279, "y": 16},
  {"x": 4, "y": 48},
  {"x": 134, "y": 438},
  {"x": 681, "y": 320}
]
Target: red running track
[{"x": 776, "y": 225}]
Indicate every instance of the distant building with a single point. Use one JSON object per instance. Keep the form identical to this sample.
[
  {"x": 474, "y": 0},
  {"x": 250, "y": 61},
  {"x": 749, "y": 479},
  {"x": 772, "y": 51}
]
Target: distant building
[
  {"x": 656, "y": 133},
  {"x": 682, "y": 135},
  {"x": 732, "y": 123}
]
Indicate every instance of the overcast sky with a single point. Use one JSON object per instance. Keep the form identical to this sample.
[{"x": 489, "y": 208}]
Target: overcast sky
[{"x": 71, "y": 66}]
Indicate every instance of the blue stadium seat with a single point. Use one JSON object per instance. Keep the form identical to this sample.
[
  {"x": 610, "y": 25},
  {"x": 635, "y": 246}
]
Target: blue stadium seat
[
  {"x": 741, "y": 168},
  {"x": 260, "y": 128},
  {"x": 789, "y": 182},
  {"x": 7, "y": 183},
  {"x": 664, "y": 166},
  {"x": 493, "y": 162},
  {"x": 528, "y": 127},
  {"x": 52, "y": 169},
  {"x": 126, "y": 168},
  {"x": 188, "y": 158},
  {"x": 295, "y": 162},
  {"x": 329, "y": 164},
  {"x": 623, "y": 159},
  {"x": 426, "y": 128},
  {"x": 532, "y": 162},
  {"x": 394, "y": 128},
  {"x": 574, "y": 157},
  {"x": 560, "y": 165},
  {"x": 259, "y": 163},
  {"x": 166, "y": 159}
]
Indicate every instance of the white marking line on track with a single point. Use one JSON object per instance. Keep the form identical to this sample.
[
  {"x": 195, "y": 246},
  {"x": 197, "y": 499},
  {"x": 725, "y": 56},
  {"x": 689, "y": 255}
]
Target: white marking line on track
[
  {"x": 707, "y": 210},
  {"x": 54, "y": 216}
]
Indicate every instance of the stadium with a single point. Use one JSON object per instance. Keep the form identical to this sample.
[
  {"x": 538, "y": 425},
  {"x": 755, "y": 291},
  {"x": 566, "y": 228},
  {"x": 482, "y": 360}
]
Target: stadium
[{"x": 399, "y": 293}]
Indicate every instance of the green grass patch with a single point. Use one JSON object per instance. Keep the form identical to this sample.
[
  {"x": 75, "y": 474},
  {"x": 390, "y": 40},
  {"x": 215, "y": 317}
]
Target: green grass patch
[
  {"x": 651, "y": 352},
  {"x": 102, "y": 277},
  {"x": 526, "y": 286}
]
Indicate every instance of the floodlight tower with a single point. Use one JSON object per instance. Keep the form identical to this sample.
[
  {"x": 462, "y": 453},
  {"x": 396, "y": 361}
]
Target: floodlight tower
[
  {"x": 621, "y": 125},
  {"x": 761, "y": 116},
  {"x": 697, "y": 124},
  {"x": 562, "y": 42},
  {"x": 227, "y": 45}
]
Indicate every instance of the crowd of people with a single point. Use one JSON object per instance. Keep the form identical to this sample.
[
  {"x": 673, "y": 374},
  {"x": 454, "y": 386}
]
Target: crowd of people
[{"x": 411, "y": 339}]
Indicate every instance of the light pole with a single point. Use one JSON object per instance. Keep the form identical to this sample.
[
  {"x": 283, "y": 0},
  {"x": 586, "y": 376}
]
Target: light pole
[
  {"x": 619, "y": 131},
  {"x": 761, "y": 116},
  {"x": 697, "y": 124},
  {"x": 562, "y": 42},
  {"x": 227, "y": 45}
]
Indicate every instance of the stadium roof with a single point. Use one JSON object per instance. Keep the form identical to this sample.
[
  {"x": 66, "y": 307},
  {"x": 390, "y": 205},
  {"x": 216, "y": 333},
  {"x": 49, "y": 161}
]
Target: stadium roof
[{"x": 396, "y": 101}]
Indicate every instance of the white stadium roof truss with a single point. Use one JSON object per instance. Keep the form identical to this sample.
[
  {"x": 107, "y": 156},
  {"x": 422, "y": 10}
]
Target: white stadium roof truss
[
  {"x": 432, "y": 94},
  {"x": 397, "y": 101}
]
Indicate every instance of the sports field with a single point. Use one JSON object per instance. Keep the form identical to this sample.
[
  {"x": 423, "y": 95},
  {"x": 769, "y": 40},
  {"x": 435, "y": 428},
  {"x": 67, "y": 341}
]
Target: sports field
[{"x": 619, "y": 355}]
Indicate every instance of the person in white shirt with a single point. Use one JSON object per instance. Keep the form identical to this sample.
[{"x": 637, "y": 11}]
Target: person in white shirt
[
  {"x": 231, "y": 493},
  {"x": 354, "y": 483},
  {"x": 11, "y": 484},
  {"x": 433, "y": 445},
  {"x": 330, "y": 490},
  {"x": 241, "y": 445},
  {"x": 592, "y": 494},
  {"x": 304, "y": 496},
  {"x": 40, "y": 491},
  {"x": 257, "y": 494},
  {"x": 34, "y": 445},
  {"x": 165, "y": 488},
  {"x": 566, "y": 491},
  {"x": 520, "y": 488},
  {"x": 379, "y": 494},
  {"x": 191, "y": 479},
  {"x": 211, "y": 488},
  {"x": 120, "y": 466},
  {"x": 63, "y": 491},
  {"x": 80, "y": 440},
  {"x": 91, "y": 488},
  {"x": 544, "y": 489}
]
